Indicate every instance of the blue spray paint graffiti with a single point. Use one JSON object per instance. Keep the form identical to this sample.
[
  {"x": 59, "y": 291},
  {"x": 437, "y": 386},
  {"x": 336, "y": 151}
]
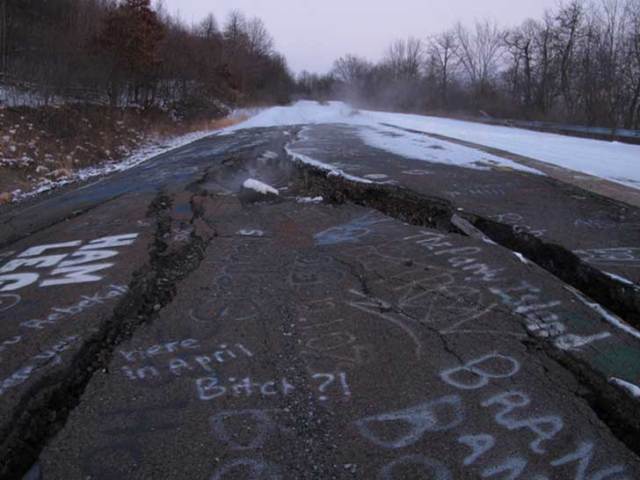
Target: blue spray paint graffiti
[{"x": 350, "y": 232}]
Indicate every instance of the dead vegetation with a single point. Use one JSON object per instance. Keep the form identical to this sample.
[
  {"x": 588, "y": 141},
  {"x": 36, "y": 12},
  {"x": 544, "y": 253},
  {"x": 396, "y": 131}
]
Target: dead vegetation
[{"x": 51, "y": 143}]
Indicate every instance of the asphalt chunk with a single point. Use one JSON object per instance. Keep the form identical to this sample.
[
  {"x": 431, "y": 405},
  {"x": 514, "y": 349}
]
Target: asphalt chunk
[
  {"x": 345, "y": 344},
  {"x": 388, "y": 329}
]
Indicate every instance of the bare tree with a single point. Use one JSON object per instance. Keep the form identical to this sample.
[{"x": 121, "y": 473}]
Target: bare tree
[
  {"x": 208, "y": 27},
  {"x": 235, "y": 30},
  {"x": 479, "y": 52},
  {"x": 405, "y": 58},
  {"x": 3, "y": 36},
  {"x": 632, "y": 61},
  {"x": 351, "y": 69},
  {"x": 616, "y": 31},
  {"x": 131, "y": 51},
  {"x": 543, "y": 45},
  {"x": 569, "y": 20},
  {"x": 443, "y": 59},
  {"x": 260, "y": 40}
]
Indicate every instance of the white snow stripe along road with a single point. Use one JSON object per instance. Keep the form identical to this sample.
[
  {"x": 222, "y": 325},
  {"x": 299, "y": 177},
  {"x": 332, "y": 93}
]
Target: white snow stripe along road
[{"x": 613, "y": 161}]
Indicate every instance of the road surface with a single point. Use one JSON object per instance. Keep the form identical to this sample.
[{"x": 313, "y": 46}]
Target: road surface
[{"x": 438, "y": 322}]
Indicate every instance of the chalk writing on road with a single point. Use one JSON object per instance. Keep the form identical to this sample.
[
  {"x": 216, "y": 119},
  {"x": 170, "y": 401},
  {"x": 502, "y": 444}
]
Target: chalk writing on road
[
  {"x": 57, "y": 314},
  {"x": 213, "y": 387},
  {"x": 484, "y": 190},
  {"x": 257, "y": 469},
  {"x": 85, "y": 303},
  {"x": 424, "y": 294},
  {"x": 461, "y": 258},
  {"x": 79, "y": 266},
  {"x": 510, "y": 409},
  {"x": 417, "y": 172},
  {"x": 518, "y": 224},
  {"x": 313, "y": 270},
  {"x": 383, "y": 310},
  {"x": 350, "y": 232},
  {"x": 433, "y": 416},
  {"x": 180, "y": 358},
  {"x": 402, "y": 431},
  {"x": 626, "y": 256},
  {"x": 326, "y": 339},
  {"x": 46, "y": 359},
  {"x": 542, "y": 317},
  {"x": 8, "y": 301},
  {"x": 9, "y": 342},
  {"x": 258, "y": 426}
]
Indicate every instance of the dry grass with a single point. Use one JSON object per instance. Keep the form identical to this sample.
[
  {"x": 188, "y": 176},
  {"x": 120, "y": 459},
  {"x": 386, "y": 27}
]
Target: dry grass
[{"x": 51, "y": 143}]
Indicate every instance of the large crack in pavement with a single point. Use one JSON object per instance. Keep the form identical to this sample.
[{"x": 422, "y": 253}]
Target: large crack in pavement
[
  {"x": 152, "y": 287},
  {"x": 185, "y": 225},
  {"x": 300, "y": 305},
  {"x": 614, "y": 407},
  {"x": 437, "y": 213},
  {"x": 618, "y": 297}
]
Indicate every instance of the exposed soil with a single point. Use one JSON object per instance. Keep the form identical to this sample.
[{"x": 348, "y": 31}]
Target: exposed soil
[{"x": 51, "y": 142}]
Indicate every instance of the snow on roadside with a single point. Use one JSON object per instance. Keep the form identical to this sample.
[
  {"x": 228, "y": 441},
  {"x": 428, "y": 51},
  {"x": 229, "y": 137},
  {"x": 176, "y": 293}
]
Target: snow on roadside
[
  {"x": 260, "y": 187},
  {"x": 330, "y": 169},
  {"x": 631, "y": 388},
  {"x": 301, "y": 113},
  {"x": 139, "y": 156},
  {"x": 620, "y": 279},
  {"x": 314, "y": 200},
  {"x": 373, "y": 134},
  {"x": 521, "y": 257},
  {"x": 419, "y": 147},
  {"x": 616, "y": 162}
]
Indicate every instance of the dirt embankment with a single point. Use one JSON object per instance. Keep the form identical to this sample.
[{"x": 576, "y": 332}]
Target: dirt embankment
[{"x": 51, "y": 143}]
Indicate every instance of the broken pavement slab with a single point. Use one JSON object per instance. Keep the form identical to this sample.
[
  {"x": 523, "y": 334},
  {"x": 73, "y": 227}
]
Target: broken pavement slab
[
  {"x": 547, "y": 236},
  {"x": 74, "y": 299},
  {"x": 304, "y": 339},
  {"x": 602, "y": 231},
  {"x": 344, "y": 344}
]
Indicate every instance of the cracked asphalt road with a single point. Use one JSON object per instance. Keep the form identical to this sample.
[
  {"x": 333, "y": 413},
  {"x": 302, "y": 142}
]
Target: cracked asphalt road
[{"x": 166, "y": 323}]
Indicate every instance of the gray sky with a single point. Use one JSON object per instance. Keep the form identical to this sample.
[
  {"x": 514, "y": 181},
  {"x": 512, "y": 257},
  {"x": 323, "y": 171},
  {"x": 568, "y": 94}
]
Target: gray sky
[{"x": 313, "y": 33}]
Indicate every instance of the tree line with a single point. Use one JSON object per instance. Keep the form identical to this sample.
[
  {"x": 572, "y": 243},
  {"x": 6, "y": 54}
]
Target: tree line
[
  {"x": 129, "y": 52},
  {"x": 579, "y": 63}
]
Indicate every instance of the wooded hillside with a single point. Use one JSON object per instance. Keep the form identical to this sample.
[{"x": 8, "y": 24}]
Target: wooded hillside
[{"x": 130, "y": 52}]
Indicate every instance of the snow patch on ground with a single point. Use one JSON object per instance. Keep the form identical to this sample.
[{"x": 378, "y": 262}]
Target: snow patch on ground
[
  {"x": 11, "y": 96},
  {"x": 260, "y": 187},
  {"x": 309, "y": 199},
  {"x": 139, "y": 156},
  {"x": 250, "y": 233},
  {"x": 376, "y": 176},
  {"x": 331, "y": 171},
  {"x": 614, "y": 161},
  {"x": 419, "y": 147},
  {"x": 617, "y": 162},
  {"x": 626, "y": 281},
  {"x": 301, "y": 113},
  {"x": 631, "y": 388},
  {"x": 521, "y": 257}
]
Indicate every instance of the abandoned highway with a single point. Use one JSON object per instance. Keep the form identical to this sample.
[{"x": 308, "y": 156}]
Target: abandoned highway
[{"x": 379, "y": 318}]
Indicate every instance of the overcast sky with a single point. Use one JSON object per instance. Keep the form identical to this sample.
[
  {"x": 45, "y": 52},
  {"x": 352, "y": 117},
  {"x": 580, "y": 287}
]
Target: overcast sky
[{"x": 313, "y": 33}]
